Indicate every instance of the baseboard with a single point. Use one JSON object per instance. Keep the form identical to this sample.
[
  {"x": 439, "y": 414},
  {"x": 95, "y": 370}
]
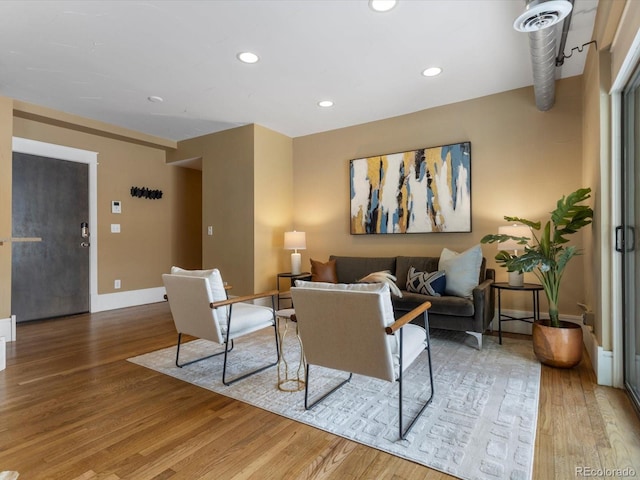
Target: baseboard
[
  {"x": 131, "y": 298},
  {"x": 8, "y": 328}
]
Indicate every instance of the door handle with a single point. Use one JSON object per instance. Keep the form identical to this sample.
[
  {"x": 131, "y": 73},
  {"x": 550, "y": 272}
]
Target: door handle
[{"x": 625, "y": 243}]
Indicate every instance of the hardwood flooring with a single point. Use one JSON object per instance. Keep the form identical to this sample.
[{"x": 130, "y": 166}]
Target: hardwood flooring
[{"x": 72, "y": 407}]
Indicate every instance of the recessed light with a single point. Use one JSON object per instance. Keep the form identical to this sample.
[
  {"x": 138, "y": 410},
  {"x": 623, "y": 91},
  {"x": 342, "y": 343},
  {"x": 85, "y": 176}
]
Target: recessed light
[
  {"x": 382, "y": 5},
  {"x": 248, "y": 57},
  {"x": 325, "y": 103},
  {"x": 432, "y": 71},
  {"x": 155, "y": 99}
]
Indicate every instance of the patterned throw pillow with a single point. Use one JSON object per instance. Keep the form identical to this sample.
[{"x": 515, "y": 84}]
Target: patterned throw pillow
[{"x": 426, "y": 283}]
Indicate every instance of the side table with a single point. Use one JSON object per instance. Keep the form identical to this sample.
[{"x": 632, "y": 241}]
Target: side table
[
  {"x": 534, "y": 288},
  {"x": 289, "y": 380},
  {"x": 292, "y": 278}
]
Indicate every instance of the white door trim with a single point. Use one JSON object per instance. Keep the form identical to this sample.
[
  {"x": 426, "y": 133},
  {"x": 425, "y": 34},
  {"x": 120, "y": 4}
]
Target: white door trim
[{"x": 61, "y": 152}]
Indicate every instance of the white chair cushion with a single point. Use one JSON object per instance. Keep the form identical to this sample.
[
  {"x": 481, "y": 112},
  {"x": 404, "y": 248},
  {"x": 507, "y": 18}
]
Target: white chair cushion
[
  {"x": 414, "y": 341},
  {"x": 245, "y": 318},
  {"x": 216, "y": 285}
]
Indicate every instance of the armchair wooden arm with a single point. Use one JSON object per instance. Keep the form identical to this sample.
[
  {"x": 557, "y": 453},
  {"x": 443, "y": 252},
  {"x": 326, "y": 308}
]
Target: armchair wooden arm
[
  {"x": 244, "y": 298},
  {"x": 406, "y": 318}
]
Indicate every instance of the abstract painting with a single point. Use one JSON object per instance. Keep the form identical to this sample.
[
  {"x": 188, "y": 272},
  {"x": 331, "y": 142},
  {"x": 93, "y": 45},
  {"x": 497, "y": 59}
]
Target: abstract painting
[{"x": 420, "y": 191}]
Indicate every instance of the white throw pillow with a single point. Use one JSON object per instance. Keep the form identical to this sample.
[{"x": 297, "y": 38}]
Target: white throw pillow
[
  {"x": 462, "y": 270},
  {"x": 218, "y": 293}
]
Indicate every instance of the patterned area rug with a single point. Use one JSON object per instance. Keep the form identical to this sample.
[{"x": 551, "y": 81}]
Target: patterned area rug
[{"x": 480, "y": 425}]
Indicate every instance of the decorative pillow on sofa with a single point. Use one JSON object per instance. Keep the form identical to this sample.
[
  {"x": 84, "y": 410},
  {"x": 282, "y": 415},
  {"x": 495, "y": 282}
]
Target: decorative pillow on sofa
[
  {"x": 324, "y": 272},
  {"x": 218, "y": 293},
  {"x": 426, "y": 283},
  {"x": 462, "y": 270}
]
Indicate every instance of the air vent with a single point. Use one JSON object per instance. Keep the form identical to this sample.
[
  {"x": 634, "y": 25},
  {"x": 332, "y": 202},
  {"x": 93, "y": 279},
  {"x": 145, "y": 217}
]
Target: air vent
[{"x": 539, "y": 15}]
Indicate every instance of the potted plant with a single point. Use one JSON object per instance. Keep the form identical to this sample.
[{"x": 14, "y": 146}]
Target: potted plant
[{"x": 546, "y": 255}]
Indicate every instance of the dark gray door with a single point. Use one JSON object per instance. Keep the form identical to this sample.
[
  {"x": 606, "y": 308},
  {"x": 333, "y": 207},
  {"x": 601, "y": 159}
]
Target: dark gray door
[{"x": 50, "y": 200}]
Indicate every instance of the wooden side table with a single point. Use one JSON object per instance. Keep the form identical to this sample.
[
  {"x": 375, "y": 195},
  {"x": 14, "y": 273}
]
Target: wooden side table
[{"x": 534, "y": 288}]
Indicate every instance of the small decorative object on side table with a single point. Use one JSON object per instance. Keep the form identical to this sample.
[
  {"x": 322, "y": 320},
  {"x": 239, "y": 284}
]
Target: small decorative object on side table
[{"x": 534, "y": 288}]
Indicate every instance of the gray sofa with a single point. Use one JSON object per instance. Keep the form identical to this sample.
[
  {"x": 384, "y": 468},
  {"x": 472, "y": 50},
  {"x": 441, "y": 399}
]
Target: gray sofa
[{"x": 447, "y": 312}]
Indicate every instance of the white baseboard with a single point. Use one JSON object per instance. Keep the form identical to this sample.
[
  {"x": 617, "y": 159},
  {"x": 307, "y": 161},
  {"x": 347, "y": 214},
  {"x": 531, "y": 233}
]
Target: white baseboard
[
  {"x": 8, "y": 328},
  {"x": 131, "y": 298}
]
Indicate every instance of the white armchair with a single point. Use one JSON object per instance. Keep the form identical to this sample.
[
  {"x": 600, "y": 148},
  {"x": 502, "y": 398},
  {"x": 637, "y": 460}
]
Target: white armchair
[
  {"x": 351, "y": 328},
  {"x": 197, "y": 312}
]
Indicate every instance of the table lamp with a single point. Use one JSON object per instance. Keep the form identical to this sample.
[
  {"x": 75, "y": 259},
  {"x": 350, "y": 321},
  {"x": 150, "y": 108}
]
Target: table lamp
[
  {"x": 295, "y": 241},
  {"x": 516, "y": 279}
]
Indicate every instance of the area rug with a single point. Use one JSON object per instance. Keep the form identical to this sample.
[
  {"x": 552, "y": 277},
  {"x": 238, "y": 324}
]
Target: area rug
[{"x": 480, "y": 425}]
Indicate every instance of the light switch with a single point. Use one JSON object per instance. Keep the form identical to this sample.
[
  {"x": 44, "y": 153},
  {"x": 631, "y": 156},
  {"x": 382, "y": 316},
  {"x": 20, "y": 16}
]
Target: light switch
[
  {"x": 115, "y": 228},
  {"x": 209, "y": 230}
]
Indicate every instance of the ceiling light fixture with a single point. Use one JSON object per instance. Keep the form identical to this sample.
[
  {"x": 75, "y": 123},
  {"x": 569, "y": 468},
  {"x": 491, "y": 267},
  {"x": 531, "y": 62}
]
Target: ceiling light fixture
[
  {"x": 432, "y": 72},
  {"x": 382, "y": 5},
  {"x": 155, "y": 99},
  {"x": 325, "y": 103},
  {"x": 248, "y": 57}
]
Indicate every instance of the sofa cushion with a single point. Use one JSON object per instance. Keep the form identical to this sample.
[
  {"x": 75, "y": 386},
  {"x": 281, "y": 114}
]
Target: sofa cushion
[
  {"x": 351, "y": 269},
  {"x": 426, "y": 283},
  {"x": 462, "y": 270},
  {"x": 324, "y": 272},
  {"x": 444, "y": 305}
]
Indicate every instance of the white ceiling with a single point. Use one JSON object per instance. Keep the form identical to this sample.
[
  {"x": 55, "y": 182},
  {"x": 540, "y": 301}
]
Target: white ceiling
[{"x": 103, "y": 59}]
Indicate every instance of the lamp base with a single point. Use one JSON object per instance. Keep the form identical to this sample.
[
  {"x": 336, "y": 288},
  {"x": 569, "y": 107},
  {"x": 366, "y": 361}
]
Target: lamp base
[
  {"x": 516, "y": 279},
  {"x": 296, "y": 263}
]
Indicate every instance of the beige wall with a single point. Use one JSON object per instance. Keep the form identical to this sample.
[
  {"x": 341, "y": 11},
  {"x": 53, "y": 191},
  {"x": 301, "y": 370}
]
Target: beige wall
[
  {"x": 597, "y": 172},
  {"x": 6, "y": 128},
  {"x": 247, "y": 199},
  {"x": 274, "y": 205},
  {"x": 155, "y": 233},
  {"x": 523, "y": 160}
]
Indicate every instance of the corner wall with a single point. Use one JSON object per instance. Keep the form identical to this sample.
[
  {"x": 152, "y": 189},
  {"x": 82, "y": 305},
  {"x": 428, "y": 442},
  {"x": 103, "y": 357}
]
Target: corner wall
[{"x": 247, "y": 199}]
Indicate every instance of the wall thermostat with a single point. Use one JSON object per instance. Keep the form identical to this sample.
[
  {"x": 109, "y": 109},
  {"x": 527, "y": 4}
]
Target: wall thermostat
[{"x": 116, "y": 206}]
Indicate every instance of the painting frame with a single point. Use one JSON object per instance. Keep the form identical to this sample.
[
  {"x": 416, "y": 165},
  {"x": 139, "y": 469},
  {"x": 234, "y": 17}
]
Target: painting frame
[{"x": 426, "y": 190}]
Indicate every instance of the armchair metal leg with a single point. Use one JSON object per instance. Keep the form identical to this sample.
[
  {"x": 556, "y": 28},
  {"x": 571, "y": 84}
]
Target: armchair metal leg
[
  {"x": 224, "y": 367},
  {"x": 180, "y": 365},
  {"x": 404, "y": 433},
  {"x": 306, "y": 390}
]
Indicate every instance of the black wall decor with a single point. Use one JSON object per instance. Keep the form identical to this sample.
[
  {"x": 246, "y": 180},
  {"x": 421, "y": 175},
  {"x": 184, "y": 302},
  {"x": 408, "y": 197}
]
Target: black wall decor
[{"x": 144, "y": 192}]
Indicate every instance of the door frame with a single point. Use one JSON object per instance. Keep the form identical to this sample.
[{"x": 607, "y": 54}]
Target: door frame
[
  {"x": 619, "y": 83},
  {"x": 61, "y": 152}
]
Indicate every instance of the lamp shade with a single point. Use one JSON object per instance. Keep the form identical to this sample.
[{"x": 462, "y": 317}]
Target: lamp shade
[
  {"x": 514, "y": 231},
  {"x": 295, "y": 240}
]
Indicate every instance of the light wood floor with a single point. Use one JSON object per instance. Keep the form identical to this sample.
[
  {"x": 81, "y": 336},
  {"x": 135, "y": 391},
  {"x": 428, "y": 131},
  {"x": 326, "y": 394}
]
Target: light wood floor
[{"x": 72, "y": 407}]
